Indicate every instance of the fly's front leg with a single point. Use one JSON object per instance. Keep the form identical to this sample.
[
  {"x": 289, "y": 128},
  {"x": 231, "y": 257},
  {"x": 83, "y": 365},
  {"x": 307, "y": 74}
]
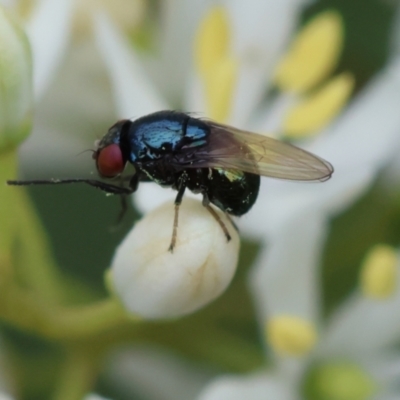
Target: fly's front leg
[
  {"x": 105, "y": 187},
  {"x": 206, "y": 204},
  {"x": 132, "y": 187},
  {"x": 178, "y": 201}
]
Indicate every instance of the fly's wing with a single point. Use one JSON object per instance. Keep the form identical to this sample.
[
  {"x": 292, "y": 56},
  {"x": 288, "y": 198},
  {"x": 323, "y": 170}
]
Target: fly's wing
[{"x": 232, "y": 148}]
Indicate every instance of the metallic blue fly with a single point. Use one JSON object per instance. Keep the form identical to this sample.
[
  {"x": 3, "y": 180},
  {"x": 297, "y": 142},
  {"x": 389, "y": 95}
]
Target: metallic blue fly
[{"x": 222, "y": 163}]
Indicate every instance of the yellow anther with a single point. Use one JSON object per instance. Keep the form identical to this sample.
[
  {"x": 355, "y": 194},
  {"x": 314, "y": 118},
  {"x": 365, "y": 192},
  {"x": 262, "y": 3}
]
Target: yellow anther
[
  {"x": 217, "y": 67},
  {"x": 318, "y": 109},
  {"x": 313, "y": 55},
  {"x": 212, "y": 40},
  {"x": 290, "y": 335},
  {"x": 219, "y": 87},
  {"x": 379, "y": 272}
]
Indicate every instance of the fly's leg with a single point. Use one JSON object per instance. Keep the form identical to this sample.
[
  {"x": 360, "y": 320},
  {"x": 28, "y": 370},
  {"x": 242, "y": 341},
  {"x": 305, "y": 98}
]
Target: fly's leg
[
  {"x": 121, "y": 214},
  {"x": 178, "y": 201},
  {"x": 229, "y": 218},
  {"x": 105, "y": 187},
  {"x": 133, "y": 185},
  {"x": 206, "y": 204}
]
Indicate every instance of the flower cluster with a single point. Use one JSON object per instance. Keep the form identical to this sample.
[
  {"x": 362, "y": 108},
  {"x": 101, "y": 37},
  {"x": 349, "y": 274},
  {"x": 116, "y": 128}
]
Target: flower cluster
[{"x": 239, "y": 64}]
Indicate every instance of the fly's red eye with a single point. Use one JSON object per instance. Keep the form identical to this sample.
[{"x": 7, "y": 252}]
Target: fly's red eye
[{"x": 110, "y": 162}]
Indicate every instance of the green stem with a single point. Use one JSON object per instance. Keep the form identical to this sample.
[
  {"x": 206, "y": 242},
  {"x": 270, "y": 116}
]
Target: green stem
[
  {"x": 26, "y": 311},
  {"x": 77, "y": 376},
  {"x": 23, "y": 241},
  {"x": 8, "y": 226}
]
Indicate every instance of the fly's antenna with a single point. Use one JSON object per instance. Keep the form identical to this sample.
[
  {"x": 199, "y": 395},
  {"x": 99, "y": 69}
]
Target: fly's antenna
[{"x": 85, "y": 151}]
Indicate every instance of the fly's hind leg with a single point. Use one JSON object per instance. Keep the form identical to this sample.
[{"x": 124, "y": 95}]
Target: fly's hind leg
[
  {"x": 178, "y": 201},
  {"x": 206, "y": 204},
  {"x": 229, "y": 218}
]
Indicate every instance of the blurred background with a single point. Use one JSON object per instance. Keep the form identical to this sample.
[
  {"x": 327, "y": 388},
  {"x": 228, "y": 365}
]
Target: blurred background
[
  {"x": 77, "y": 108},
  {"x": 70, "y": 119}
]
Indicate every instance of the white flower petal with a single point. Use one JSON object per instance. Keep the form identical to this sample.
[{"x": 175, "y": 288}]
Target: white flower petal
[
  {"x": 150, "y": 195},
  {"x": 8, "y": 3},
  {"x": 253, "y": 387},
  {"x": 281, "y": 201},
  {"x": 361, "y": 142},
  {"x": 135, "y": 95},
  {"x": 153, "y": 373},
  {"x": 367, "y": 132},
  {"x": 4, "y": 396},
  {"x": 76, "y": 110},
  {"x": 391, "y": 174},
  {"x": 285, "y": 279},
  {"x": 195, "y": 100},
  {"x": 362, "y": 325},
  {"x": 387, "y": 396},
  {"x": 179, "y": 22},
  {"x": 153, "y": 282},
  {"x": 261, "y": 32},
  {"x": 48, "y": 30},
  {"x": 384, "y": 367},
  {"x": 270, "y": 120},
  {"x": 7, "y": 381},
  {"x": 95, "y": 397}
]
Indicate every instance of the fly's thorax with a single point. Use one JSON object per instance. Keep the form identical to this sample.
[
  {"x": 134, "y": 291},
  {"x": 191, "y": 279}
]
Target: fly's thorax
[{"x": 164, "y": 134}]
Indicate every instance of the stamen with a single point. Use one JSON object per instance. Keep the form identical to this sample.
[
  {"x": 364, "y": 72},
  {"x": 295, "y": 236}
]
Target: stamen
[
  {"x": 212, "y": 40},
  {"x": 379, "y": 272},
  {"x": 219, "y": 88},
  {"x": 290, "y": 335},
  {"x": 319, "y": 109},
  {"x": 313, "y": 55},
  {"x": 217, "y": 67}
]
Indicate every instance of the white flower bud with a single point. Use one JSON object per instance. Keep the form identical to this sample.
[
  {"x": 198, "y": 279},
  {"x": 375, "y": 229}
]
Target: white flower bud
[
  {"x": 15, "y": 82},
  {"x": 153, "y": 282}
]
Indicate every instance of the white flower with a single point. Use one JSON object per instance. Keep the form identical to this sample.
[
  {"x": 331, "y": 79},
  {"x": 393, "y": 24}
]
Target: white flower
[
  {"x": 72, "y": 101},
  {"x": 374, "y": 109},
  {"x": 258, "y": 386},
  {"x": 292, "y": 217},
  {"x": 48, "y": 29},
  {"x": 4, "y": 396},
  {"x": 94, "y": 397},
  {"x": 229, "y": 85},
  {"x": 152, "y": 372},
  {"x": 135, "y": 83},
  {"x": 153, "y": 282},
  {"x": 353, "y": 147},
  {"x": 356, "y": 344}
]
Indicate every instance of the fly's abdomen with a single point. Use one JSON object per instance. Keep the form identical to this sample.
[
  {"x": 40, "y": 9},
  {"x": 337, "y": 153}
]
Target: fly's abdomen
[{"x": 233, "y": 191}]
